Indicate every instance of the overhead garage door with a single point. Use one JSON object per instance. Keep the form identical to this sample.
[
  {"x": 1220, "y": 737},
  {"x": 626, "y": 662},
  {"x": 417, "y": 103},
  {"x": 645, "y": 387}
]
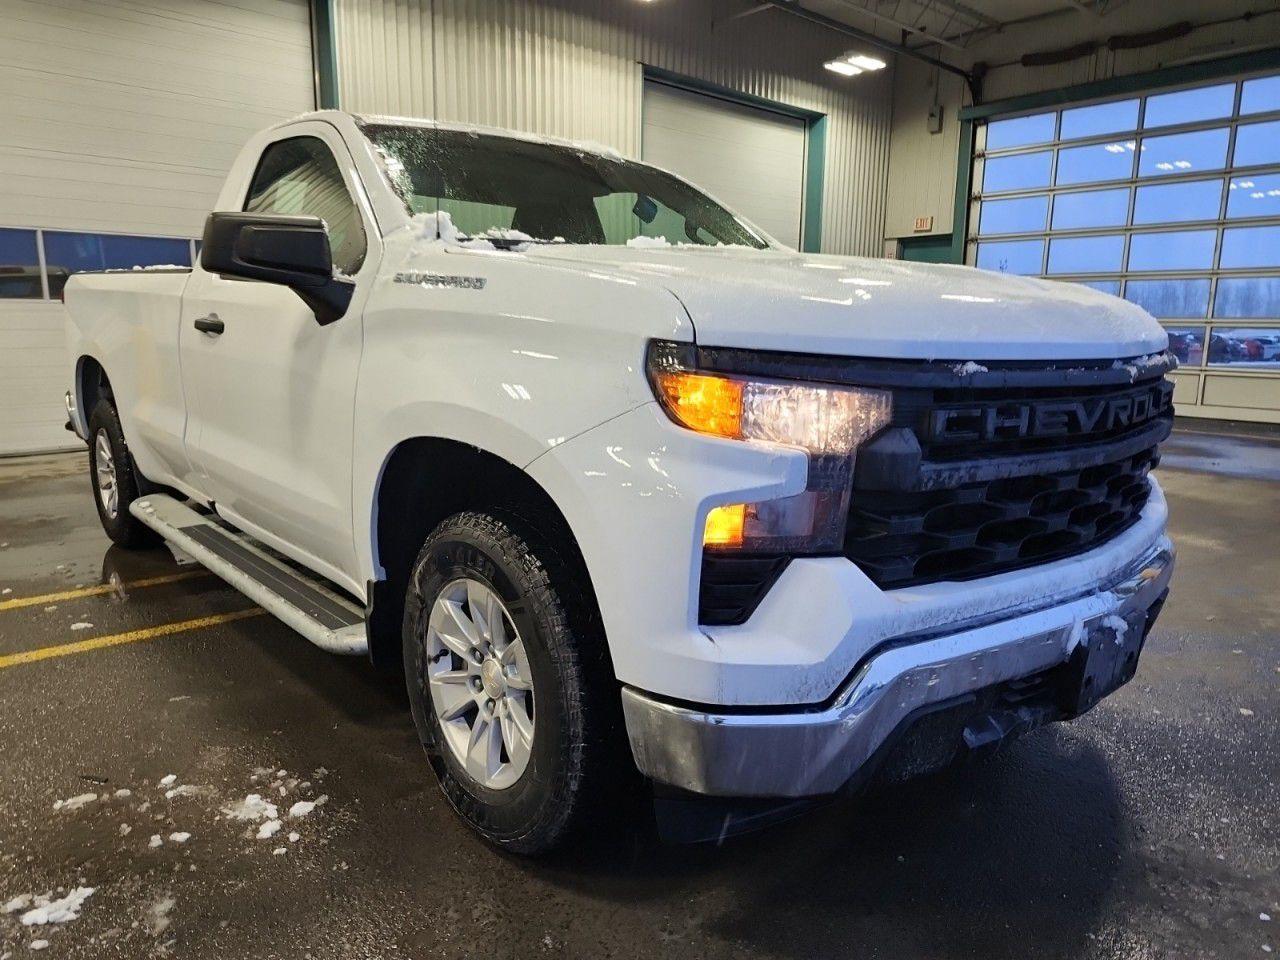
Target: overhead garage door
[
  {"x": 118, "y": 121},
  {"x": 750, "y": 159},
  {"x": 1171, "y": 200}
]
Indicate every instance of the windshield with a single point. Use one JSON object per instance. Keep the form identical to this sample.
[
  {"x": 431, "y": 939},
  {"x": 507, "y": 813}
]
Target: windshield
[{"x": 503, "y": 186}]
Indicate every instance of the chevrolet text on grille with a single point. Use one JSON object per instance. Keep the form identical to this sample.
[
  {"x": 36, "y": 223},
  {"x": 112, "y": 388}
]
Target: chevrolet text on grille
[{"x": 1050, "y": 418}]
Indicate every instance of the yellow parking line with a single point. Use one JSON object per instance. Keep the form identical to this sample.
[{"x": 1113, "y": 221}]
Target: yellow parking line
[
  {"x": 93, "y": 591},
  {"x": 115, "y": 639}
]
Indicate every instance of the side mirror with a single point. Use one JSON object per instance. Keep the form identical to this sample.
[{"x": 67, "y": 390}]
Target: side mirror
[{"x": 290, "y": 251}]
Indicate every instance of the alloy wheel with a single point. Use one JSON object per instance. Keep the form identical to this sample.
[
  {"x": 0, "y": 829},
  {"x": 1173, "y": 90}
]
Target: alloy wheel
[
  {"x": 480, "y": 683},
  {"x": 105, "y": 474}
]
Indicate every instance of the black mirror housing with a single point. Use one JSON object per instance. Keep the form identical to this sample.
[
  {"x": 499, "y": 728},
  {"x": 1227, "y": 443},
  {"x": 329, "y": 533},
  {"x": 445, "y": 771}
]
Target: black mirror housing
[{"x": 275, "y": 248}]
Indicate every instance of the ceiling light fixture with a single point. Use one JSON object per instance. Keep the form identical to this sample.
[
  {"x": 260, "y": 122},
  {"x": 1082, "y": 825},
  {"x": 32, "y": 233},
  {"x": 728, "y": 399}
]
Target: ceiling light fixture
[
  {"x": 865, "y": 62},
  {"x": 842, "y": 67}
]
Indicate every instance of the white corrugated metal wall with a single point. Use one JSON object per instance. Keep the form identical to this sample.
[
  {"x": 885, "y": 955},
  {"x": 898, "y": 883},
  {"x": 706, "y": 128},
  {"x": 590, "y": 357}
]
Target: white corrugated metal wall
[
  {"x": 121, "y": 117},
  {"x": 574, "y": 68}
]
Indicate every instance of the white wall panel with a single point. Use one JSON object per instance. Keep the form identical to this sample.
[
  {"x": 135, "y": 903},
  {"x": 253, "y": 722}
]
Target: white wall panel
[
  {"x": 752, "y": 160},
  {"x": 575, "y": 68},
  {"x": 122, "y": 116}
]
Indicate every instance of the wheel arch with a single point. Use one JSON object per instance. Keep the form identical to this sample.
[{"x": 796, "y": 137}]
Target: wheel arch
[
  {"x": 426, "y": 479},
  {"x": 91, "y": 385}
]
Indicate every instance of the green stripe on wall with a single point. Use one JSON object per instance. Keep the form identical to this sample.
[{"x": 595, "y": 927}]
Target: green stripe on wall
[
  {"x": 815, "y": 164},
  {"x": 324, "y": 54}
]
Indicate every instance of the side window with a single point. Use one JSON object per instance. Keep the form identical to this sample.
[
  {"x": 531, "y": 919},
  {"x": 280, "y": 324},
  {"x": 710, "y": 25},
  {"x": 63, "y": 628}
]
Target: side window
[{"x": 299, "y": 176}]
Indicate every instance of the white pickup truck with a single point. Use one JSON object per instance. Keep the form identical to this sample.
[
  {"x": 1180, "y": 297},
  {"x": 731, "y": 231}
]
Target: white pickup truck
[{"x": 621, "y": 483}]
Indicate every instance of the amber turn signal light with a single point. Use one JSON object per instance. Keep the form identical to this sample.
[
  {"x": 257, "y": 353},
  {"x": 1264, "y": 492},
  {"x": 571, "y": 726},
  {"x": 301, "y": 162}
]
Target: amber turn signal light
[
  {"x": 702, "y": 402},
  {"x": 725, "y": 526}
]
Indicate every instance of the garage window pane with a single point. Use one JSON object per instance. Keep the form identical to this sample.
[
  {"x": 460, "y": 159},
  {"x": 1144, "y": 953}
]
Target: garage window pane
[
  {"x": 1102, "y": 286},
  {"x": 1257, "y": 143},
  {"x": 1184, "y": 250},
  {"x": 1253, "y": 346},
  {"x": 1020, "y": 131},
  {"x": 1099, "y": 161},
  {"x": 1172, "y": 202},
  {"x": 1023, "y": 215},
  {"x": 1086, "y": 254},
  {"x": 1256, "y": 196},
  {"x": 1261, "y": 95},
  {"x": 1020, "y": 172},
  {"x": 1099, "y": 119},
  {"x": 68, "y": 253},
  {"x": 1183, "y": 153},
  {"x": 1170, "y": 299},
  {"x": 1251, "y": 247},
  {"x": 1016, "y": 256},
  {"x": 1092, "y": 208},
  {"x": 19, "y": 265},
  {"x": 1188, "y": 106},
  {"x": 1247, "y": 298},
  {"x": 1187, "y": 344}
]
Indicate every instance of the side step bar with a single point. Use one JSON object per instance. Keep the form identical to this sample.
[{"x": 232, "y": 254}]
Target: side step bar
[{"x": 328, "y": 620}]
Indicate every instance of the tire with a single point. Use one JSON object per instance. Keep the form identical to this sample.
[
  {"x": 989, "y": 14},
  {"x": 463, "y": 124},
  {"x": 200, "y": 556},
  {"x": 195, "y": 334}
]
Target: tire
[
  {"x": 110, "y": 461},
  {"x": 573, "y": 705}
]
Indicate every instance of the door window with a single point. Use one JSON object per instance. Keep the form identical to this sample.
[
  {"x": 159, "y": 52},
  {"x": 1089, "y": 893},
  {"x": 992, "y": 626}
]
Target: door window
[{"x": 300, "y": 177}]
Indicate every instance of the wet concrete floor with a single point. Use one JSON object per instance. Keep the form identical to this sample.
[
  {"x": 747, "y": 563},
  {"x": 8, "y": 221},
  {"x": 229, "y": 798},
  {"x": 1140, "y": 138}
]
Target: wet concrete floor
[{"x": 1148, "y": 828}]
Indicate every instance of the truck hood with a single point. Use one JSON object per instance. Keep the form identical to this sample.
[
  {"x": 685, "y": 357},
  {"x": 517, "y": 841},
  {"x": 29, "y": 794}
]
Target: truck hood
[{"x": 859, "y": 306}]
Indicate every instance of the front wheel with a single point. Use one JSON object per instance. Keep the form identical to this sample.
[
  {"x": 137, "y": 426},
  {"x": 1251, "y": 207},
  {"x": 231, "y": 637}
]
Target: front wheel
[
  {"x": 507, "y": 695},
  {"x": 116, "y": 481}
]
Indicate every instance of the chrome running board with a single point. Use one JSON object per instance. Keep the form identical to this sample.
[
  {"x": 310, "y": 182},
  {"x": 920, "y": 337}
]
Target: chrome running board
[{"x": 328, "y": 620}]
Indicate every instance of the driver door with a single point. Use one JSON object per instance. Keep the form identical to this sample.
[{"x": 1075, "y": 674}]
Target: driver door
[{"x": 271, "y": 392}]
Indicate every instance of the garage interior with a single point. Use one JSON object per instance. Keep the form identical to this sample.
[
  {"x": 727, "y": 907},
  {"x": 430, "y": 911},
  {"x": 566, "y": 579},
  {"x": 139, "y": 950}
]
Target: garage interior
[{"x": 1128, "y": 146}]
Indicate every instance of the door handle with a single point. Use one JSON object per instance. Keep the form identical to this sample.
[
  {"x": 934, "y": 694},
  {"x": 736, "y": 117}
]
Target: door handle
[{"x": 210, "y": 324}]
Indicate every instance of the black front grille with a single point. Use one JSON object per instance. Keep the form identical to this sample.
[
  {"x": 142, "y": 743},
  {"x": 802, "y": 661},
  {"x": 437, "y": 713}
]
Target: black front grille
[
  {"x": 900, "y": 538},
  {"x": 984, "y": 468}
]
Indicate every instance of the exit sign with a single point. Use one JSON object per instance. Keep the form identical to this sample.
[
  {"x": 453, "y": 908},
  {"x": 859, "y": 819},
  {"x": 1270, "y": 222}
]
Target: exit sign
[{"x": 923, "y": 224}]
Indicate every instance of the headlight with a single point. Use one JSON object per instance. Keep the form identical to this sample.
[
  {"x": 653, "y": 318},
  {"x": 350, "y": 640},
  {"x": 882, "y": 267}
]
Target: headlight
[{"x": 827, "y": 421}]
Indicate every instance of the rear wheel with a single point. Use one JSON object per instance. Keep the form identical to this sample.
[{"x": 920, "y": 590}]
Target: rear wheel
[
  {"x": 115, "y": 480},
  {"x": 506, "y": 685}
]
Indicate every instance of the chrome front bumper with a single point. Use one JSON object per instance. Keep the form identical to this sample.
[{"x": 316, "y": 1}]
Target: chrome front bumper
[{"x": 801, "y": 753}]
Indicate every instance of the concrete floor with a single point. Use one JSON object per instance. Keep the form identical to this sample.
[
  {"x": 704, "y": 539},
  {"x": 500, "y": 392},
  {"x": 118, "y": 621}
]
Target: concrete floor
[{"x": 1148, "y": 828}]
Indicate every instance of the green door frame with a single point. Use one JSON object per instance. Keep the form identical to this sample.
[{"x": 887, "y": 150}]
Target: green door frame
[
  {"x": 324, "y": 54},
  {"x": 815, "y": 148}
]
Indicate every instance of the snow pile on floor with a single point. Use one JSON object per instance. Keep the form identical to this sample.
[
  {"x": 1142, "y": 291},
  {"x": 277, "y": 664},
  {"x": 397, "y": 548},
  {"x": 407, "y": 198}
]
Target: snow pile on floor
[
  {"x": 302, "y": 808},
  {"x": 252, "y": 807},
  {"x": 48, "y": 911},
  {"x": 159, "y": 914},
  {"x": 187, "y": 790},
  {"x": 75, "y": 803},
  {"x": 268, "y": 829}
]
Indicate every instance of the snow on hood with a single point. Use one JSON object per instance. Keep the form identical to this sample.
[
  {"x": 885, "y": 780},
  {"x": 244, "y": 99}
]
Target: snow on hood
[{"x": 857, "y": 306}]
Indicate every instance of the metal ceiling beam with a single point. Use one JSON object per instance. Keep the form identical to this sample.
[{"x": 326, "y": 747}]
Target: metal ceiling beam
[
  {"x": 794, "y": 9},
  {"x": 915, "y": 31}
]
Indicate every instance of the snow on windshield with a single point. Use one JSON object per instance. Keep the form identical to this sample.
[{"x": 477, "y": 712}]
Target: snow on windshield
[{"x": 511, "y": 190}]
